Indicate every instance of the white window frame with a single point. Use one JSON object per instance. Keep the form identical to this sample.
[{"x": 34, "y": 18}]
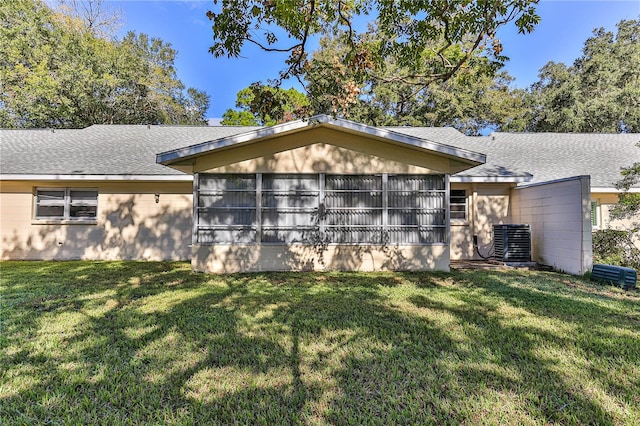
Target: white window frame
[
  {"x": 67, "y": 203},
  {"x": 595, "y": 221},
  {"x": 466, "y": 206}
]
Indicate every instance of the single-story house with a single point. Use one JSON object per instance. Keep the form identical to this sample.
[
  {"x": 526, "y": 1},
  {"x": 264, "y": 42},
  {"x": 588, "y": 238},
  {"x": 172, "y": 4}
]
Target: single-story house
[{"x": 314, "y": 194}]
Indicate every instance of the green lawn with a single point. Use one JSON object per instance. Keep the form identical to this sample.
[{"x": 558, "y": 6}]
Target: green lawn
[{"x": 140, "y": 343}]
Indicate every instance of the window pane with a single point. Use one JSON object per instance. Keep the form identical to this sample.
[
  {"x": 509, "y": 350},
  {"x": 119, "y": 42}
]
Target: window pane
[
  {"x": 289, "y": 235},
  {"x": 291, "y": 200},
  {"x": 50, "y": 197},
  {"x": 354, "y": 217},
  {"x": 231, "y": 217},
  {"x": 50, "y": 211},
  {"x": 353, "y": 183},
  {"x": 416, "y": 183},
  {"x": 417, "y": 235},
  {"x": 417, "y": 217},
  {"x": 458, "y": 204},
  {"x": 84, "y": 197},
  {"x": 458, "y": 196},
  {"x": 419, "y": 200},
  {"x": 353, "y": 209},
  {"x": 227, "y": 208},
  {"x": 353, "y": 199},
  {"x": 290, "y": 182},
  {"x": 83, "y": 212},
  {"x": 354, "y": 235},
  {"x": 237, "y": 235},
  {"x": 290, "y": 205},
  {"x": 215, "y": 182},
  {"x": 228, "y": 199},
  {"x": 273, "y": 217}
]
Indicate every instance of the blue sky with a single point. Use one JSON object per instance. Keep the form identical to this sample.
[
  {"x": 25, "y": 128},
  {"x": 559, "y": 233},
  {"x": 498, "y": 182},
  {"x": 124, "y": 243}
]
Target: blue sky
[{"x": 564, "y": 26}]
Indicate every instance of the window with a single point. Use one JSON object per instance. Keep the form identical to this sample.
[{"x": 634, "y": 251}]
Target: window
[
  {"x": 66, "y": 204},
  {"x": 313, "y": 208},
  {"x": 458, "y": 204},
  {"x": 290, "y": 208},
  {"x": 227, "y": 208},
  {"x": 594, "y": 214},
  {"x": 353, "y": 209},
  {"x": 417, "y": 212}
]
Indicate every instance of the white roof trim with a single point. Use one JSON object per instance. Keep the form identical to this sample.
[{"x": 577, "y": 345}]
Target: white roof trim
[
  {"x": 490, "y": 179},
  {"x": 614, "y": 190},
  {"x": 403, "y": 138},
  {"x": 169, "y": 157},
  {"x": 148, "y": 178},
  {"x": 548, "y": 182},
  {"x": 190, "y": 151}
]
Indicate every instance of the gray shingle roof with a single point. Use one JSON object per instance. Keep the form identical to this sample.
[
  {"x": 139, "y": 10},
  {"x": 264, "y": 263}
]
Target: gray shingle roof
[
  {"x": 549, "y": 156},
  {"x": 100, "y": 149},
  {"x": 132, "y": 149}
]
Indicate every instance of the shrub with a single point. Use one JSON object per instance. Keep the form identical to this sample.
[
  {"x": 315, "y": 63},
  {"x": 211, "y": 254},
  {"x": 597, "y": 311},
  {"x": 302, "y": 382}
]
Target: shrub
[{"x": 616, "y": 247}]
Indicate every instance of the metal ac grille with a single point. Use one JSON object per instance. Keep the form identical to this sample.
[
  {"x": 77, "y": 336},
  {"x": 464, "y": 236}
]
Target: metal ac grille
[{"x": 512, "y": 243}]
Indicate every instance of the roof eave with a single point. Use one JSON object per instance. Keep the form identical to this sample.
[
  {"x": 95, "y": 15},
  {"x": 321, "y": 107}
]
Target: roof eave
[
  {"x": 491, "y": 179},
  {"x": 611, "y": 189},
  {"x": 181, "y": 154},
  {"x": 96, "y": 177},
  {"x": 472, "y": 157}
]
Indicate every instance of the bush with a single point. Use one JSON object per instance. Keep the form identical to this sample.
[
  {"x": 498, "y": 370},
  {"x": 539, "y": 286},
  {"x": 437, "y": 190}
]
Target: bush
[{"x": 615, "y": 247}]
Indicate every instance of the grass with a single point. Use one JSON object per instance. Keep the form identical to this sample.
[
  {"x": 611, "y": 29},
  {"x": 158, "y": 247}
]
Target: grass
[{"x": 153, "y": 343}]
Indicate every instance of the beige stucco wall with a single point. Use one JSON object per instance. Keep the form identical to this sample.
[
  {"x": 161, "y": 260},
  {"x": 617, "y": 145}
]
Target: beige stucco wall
[
  {"x": 559, "y": 213},
  {"x": 130, "y": 224},
  {"x": 223, "y": 258},
  {"x": 324, "y": 150},
  {"x": 606, "y": 201},
  {"x": 488, "y": 205}
]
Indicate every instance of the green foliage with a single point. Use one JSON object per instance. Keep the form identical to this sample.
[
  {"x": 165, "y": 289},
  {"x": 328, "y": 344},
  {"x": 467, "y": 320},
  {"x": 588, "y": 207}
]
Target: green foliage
[
  {"x": 260, "y": 105},
  {"x": 154, "y": 343},
  {"x": 431, "y": 40},
  {"x": 628, "y": 205},
  {"x": 600, "y": 92},
  {"x": 616, "y": 247},
  {"x": 57, "y": 72},
  {"x": 477, "y": 97}
]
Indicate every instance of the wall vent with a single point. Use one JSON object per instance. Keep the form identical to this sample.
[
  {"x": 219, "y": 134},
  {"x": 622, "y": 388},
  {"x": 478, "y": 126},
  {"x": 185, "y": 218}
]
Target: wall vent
[{"x": 512, "y": 243}]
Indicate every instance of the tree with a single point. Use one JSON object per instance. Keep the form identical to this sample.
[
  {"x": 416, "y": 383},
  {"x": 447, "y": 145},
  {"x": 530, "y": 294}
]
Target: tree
[
  {"x": 56, "y": 72},
  {"x": 431, "y": 40},
  {"x": 620, "y": 246},
  {"x": 260, "y": 105},
  {"x": 600, "y": 92},
  {"x": 96, "y": 15},
  {"x": 477, "y": 97}
]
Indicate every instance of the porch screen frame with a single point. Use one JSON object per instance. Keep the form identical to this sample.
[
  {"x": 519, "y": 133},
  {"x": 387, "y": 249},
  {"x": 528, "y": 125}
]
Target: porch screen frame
[{"x": 337, "y": 216}]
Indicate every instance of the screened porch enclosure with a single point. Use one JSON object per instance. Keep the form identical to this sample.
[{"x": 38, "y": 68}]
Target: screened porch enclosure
[{"x": 320, "y": 209}]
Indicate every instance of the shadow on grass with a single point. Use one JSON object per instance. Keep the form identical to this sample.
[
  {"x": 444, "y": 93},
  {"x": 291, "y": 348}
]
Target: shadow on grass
[{"x": 155, "y": 343}]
